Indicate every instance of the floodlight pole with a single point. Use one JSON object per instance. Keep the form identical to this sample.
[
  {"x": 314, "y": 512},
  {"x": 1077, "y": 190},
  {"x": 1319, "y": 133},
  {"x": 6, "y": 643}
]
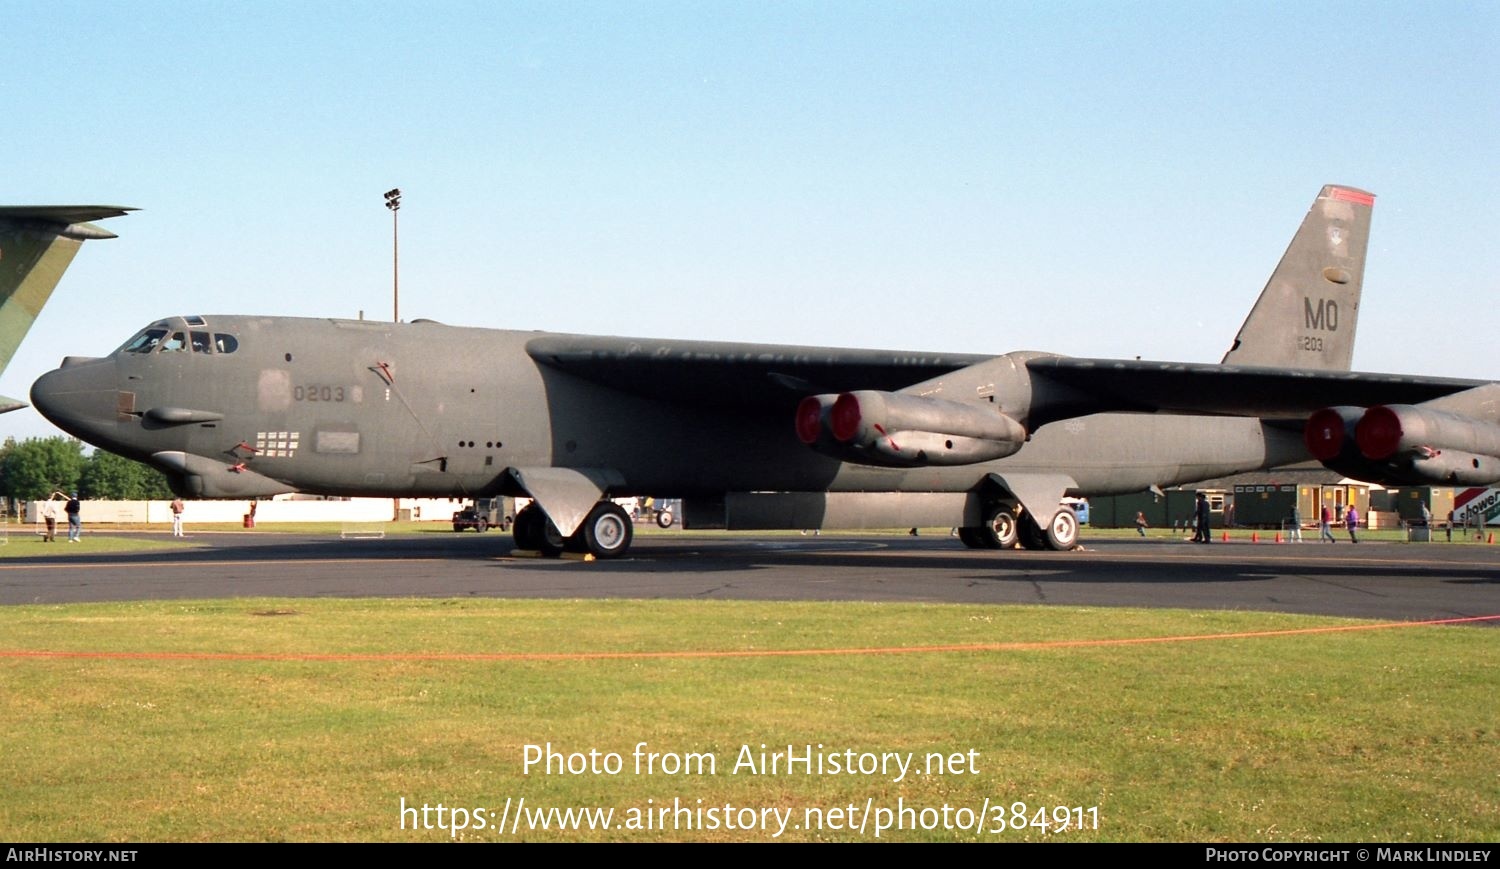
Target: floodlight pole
[{"x": 393, "y": 202}]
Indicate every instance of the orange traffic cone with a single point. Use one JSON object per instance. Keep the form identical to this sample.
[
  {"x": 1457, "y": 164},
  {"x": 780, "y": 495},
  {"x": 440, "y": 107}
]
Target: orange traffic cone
[
  {"x": 1226, "y": 537},
  {"x": 1254, "y": 536},
  {"x": 1278, "y": 536},
  {"x": 1491, "y": 538}
]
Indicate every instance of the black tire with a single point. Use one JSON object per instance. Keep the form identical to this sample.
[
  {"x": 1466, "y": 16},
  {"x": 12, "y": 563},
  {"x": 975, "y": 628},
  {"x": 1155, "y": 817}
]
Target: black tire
[
  {"x": 534, "y": 531},
  {"x": 971, "y": 538},
  {"x": 1061, "y": 533},
  {"x": 525, "y": 531},
  {"x": 482, "y": 525},
  {"x": 1001, "y": 527},
  {"x": 1031, "y": 537},
  {"x": 664, "y": 518},
  {"x": 607, "y": 531}
]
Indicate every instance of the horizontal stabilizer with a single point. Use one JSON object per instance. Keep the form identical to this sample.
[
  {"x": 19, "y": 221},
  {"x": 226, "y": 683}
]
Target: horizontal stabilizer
[{"x": 64, "y": 215}]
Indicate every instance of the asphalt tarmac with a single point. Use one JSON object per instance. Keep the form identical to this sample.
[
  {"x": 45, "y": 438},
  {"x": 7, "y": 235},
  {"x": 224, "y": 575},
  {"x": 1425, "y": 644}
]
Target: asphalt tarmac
[{"x": 1387, "y": 581}]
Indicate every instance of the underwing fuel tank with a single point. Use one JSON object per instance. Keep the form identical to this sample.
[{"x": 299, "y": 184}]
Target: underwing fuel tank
[{"x": 893, "y": 429}]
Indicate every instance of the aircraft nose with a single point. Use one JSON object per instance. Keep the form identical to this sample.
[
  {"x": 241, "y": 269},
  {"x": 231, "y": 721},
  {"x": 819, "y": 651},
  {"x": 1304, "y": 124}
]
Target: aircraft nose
[{"x": 81, "y": 398}]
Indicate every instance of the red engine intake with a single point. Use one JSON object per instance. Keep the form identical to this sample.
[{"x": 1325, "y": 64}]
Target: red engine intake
[
  {"x": 1324, "y": 434},
  {"x": 845, "y": 417},
  {"x": 809, "y": 419},
  {"x": 1379, "y": 433}
]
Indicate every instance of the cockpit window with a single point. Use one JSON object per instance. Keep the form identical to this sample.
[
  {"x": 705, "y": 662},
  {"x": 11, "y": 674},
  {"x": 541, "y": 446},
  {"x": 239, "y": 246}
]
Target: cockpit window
[
  {"x": 160, "y": 336},
  {"x": 146, "y": 341}
]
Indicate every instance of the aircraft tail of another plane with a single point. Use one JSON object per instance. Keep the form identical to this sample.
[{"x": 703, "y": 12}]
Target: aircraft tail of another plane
[
  {"x": 1305, "y": 317},
  {"x": 37, "y": 244}
]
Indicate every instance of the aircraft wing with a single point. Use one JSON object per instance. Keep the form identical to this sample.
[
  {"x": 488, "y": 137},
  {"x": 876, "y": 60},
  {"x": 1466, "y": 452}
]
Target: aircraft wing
[
  {"x": 749, "y": 376},
  {"x": 1231, "y": 390},
  {"x": 775, "y": 377}
]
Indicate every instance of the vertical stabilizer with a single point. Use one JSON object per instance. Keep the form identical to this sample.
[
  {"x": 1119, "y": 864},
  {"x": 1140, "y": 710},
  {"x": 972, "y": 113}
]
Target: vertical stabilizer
[
  {"x": 37, "y": 244},
  {"x": 1305, "y": 317}
]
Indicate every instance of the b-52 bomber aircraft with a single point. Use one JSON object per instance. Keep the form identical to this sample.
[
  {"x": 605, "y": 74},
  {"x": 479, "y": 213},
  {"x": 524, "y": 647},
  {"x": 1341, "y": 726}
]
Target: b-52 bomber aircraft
[{"x": 761, "y": 436}]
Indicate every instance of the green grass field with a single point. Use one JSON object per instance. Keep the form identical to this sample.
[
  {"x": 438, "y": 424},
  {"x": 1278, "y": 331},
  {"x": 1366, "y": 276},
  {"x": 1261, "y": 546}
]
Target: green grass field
[{"x": 313, "y": 720}]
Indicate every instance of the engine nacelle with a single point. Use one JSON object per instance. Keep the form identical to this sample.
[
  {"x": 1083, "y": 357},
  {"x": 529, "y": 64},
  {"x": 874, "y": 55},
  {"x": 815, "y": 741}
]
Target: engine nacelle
[
  {"x": 1405, "y": 445},
  {"x": 894, "y": 429},
  {"x": 1431, "y": 445},
  {"x": 1329, "y": 434},
  {"x": 1388, "y": 430}
]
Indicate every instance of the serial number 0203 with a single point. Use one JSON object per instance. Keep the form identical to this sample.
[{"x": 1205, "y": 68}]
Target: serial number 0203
[
  {"x": 318, "y": 393},
  {"x": 1056, "y": 819}
]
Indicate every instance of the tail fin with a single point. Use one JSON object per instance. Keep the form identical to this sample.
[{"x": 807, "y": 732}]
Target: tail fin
[
  {"x": 1305, "y": 317},
  {"x": 37, "y": 244}
]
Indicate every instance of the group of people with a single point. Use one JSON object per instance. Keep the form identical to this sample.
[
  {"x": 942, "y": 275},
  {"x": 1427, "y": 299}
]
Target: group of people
[
  {"x": 1325, "y": 523},
  {"x": 73, "y": 508},
  {"x": 1202, "y": 514}
]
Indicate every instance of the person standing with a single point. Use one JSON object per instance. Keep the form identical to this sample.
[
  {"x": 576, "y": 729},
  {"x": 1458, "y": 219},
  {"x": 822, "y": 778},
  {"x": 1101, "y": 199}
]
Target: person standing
[
  {"x": 1203, "y": 524},
  {"x": 75, "y": 524},
  {"x": 1296, "y": 534},
  {"x": 177, "y": 507},
  {"x": 1325, "y": 525},
  {"x": 1351, "y": 520},
  {"x": 1140, "y": 522},
  {"x": 49, "y": 516}
]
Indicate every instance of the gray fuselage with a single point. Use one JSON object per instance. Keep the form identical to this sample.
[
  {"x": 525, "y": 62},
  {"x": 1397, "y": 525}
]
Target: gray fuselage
[{"x": 344, "y": 407}]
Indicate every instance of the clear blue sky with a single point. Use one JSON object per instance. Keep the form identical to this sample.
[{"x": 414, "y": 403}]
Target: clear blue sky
[{"x": 1100, "y": 179}]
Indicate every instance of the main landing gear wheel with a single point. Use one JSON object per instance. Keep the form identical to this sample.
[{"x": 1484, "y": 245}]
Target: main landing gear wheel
[
  {"x": 606, "y": 533},
  {"x": 1060, "y": 534},
  {"x": 1000, "y": 529},
  {"x": 1031, "y": 537},
  {"x": 535, "y": 532},
  {"x": 1062, "y": 531}
]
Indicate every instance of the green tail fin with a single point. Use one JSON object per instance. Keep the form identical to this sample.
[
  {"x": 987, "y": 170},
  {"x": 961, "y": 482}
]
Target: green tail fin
[{"x": 37, "y": 244}]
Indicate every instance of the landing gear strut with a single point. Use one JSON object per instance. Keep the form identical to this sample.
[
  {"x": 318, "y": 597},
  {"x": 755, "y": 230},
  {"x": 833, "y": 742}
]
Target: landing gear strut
[
  {"x": 1007, "y": 525},
  {"x": 605, "y": 533}
]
